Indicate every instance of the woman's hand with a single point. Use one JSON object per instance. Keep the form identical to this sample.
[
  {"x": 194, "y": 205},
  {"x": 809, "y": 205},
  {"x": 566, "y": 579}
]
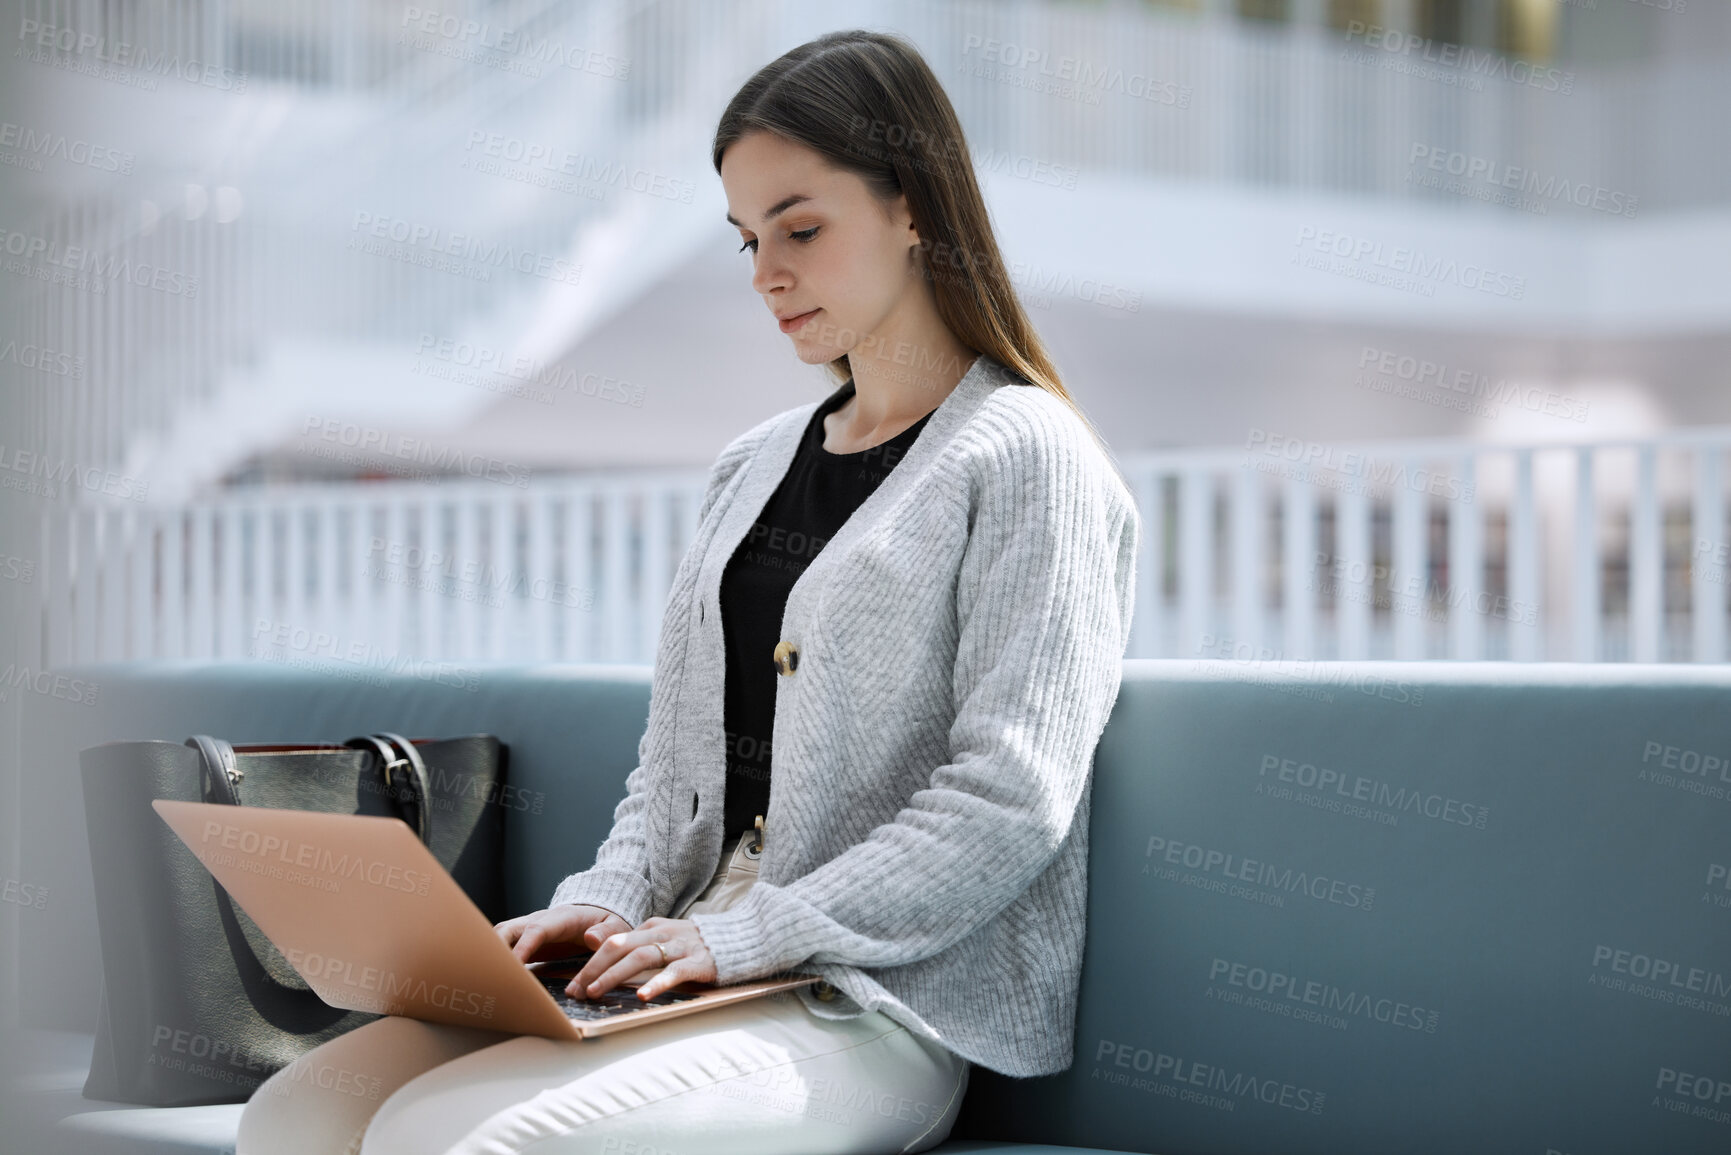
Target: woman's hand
[
  {"x": 619, "y": 954},
  {"x": 534, "y": 937}
]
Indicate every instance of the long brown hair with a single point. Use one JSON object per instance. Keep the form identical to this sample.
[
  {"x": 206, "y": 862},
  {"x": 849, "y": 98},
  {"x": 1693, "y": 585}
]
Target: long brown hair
[{"x": 870, "y": 104}]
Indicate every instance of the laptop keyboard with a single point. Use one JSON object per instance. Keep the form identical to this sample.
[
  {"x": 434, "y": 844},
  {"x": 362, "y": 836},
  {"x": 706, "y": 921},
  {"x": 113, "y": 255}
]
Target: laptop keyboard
[{"x": 616, "y": 1002}]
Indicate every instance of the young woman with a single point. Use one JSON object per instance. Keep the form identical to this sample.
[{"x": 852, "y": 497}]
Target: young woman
[{"x": 921, "y": 588}]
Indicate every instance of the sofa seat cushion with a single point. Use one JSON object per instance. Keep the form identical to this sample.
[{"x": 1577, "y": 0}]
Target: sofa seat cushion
[
  {"x": 128, "y": 1130},
  {"x": 45, "y": 1110},
  {"x": 985, "y": 1147}
]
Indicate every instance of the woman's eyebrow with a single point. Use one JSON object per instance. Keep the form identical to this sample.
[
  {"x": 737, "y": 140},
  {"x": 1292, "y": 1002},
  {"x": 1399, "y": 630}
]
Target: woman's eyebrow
[{"x": 775, "y": 210}]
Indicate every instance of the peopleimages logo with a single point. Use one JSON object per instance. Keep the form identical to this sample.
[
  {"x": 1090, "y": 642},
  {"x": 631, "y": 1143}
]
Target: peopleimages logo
[
  {"x": 44, "y": 259},
  {"x": 434, "y": 241},
  {"x": 1718, "y": 879},
  {"x": 24, "y": 894},
  {"x": 50, "y": 361},
  {"x": 342, "y": 1080},
  {"x": 1401, "y": 267},
  {"x": 1233, "y": 867},
  {"x": 1505, "y": 176},
  {"x": 1304, "y": 677},
  {"x": 482, "y": 358},
  {"x": 1492, "y": 65},
  {"x": 1701, "y": 1096},
  {"x": 309, "y": 856},
  {"x": 315, "y": 649},
  {"x": 38, "y": 145},
  {"x": 1663, "y": 980},
  {"x": 1415, "y": 594},
  {"x": 1349, "y": 470},
  {"x": 1694, "y": 771},
  {"x": 1358, "y": 788},
  {"x": 47, "y": 683},
  {"x": 438, "y": 457},
  {"x": 1421, "y": 373},
  {"x": 1068, "y": 77},
  {"x": 1189, "y": 1073},
  {"x": 520, "y": 46},
  {"x": 393, "y": 990},
  {"x": 540, "y": 163},
  {"x": 1703, "y": 1087},
  {"x": 86, "y": 52},
  {"x": 481, "y": 582},
  {"x": 171, "y": 1048},
  {"x": 1307, "y": 994}
]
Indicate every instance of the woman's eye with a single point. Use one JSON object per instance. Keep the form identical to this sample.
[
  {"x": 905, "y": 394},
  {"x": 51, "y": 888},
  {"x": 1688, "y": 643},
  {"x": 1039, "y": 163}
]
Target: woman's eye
[{"x": 803, "y": 236}]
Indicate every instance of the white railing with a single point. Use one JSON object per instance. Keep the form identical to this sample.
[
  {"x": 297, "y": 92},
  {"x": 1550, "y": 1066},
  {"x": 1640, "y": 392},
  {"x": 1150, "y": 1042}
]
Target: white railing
[
  {"x": 370, "y": 575},
  {"x": 1283, "y": 548},
  {"x": 1609, "y": 551}
]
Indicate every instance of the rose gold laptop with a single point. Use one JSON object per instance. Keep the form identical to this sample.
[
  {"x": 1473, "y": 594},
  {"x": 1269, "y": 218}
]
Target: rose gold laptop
[{"x": 364, "y": 912}]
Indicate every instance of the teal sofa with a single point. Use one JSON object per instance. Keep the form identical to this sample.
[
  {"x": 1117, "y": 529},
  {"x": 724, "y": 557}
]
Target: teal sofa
[{"x": 1344, "y": 908}]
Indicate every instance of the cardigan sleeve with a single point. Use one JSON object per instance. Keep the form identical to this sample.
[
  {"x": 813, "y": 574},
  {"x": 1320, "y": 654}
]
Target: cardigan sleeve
[
  {"x": 1044, "y": 596},
  {"x": 619, "y": 880}
]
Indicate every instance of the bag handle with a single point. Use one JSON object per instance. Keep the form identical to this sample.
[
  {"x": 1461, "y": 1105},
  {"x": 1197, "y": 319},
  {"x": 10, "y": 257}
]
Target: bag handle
[
  {"x": 221, "y": 768},
  {"x": 414, "y": 775},
  {"x": 399, "y": 763},
  {"x": 405, "y": 776}
]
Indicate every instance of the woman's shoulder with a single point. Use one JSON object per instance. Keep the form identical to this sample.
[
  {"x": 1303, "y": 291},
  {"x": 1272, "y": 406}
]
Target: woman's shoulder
[
  {"x": 1021, "y": 429},
  {"x": 737, "y": 452}
]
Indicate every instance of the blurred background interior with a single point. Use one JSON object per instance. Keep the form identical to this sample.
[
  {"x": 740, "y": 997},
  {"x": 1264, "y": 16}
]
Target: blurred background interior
[{"x": 393, "y": 336}]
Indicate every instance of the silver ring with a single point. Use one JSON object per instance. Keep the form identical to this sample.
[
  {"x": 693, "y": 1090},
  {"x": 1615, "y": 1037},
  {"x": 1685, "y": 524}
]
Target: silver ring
[{"x": 663, "y": 951}]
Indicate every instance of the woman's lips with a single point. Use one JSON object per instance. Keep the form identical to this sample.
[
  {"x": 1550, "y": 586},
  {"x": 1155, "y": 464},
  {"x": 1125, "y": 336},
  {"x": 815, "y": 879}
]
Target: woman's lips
[{"x": 793, "y": 323}]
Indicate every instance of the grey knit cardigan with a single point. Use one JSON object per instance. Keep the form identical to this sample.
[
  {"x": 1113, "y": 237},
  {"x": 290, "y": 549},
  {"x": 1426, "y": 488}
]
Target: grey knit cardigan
[{"x": 960, "y": 644}]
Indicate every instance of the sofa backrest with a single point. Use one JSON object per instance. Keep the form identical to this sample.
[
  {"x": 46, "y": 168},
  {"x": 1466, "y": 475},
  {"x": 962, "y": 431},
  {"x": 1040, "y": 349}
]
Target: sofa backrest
[
  {"x": 1378, "y": 907},
  {"x": 1333, "y": 908}
]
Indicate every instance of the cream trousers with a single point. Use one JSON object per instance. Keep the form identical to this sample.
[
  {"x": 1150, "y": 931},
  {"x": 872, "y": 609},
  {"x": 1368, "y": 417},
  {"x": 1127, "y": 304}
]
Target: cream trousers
[{"x": 764, "y": 1077}]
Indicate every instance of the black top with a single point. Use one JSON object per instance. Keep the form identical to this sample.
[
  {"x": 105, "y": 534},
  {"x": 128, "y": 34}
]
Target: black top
[{"x": 818, "y": 494}]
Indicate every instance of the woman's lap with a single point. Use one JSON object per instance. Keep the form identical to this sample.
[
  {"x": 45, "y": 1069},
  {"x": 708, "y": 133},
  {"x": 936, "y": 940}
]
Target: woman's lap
[
  {"x": 762, "y": 1077},
  {"x": 321, "y": 1103}
]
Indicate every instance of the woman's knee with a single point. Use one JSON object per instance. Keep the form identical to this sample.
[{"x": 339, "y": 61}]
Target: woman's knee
[
  {"x": 323, "y": 1101},
  {"x": 945, "y": 1112}
]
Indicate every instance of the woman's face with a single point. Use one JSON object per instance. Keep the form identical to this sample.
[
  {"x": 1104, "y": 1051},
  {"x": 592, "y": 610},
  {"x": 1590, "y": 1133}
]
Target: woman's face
[{"x": 821, "y": 245}]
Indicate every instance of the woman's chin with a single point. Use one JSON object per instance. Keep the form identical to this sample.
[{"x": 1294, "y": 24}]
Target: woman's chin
[{"x": 816, "y": 354}]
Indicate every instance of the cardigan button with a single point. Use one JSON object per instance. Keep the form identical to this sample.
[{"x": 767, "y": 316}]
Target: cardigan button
[
  {"x": 786, "y": 658},
  {"x": 823, "y": 990}
]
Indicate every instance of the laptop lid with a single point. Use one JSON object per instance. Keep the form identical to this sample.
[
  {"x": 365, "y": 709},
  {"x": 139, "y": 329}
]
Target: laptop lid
[
  {"x": 366, "y": 915},
  {"x": 370, "y": 919}
]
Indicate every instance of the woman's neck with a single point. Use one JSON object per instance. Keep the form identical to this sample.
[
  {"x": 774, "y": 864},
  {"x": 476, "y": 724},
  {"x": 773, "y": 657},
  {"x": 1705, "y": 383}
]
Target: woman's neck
[{"x": 893, "y": 390}]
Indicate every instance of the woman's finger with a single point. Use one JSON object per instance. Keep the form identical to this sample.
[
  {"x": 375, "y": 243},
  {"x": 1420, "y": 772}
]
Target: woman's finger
[
  {"x": 613, "y": 953},
  {"x": 634, "y": 960},
  {"x": 611, "y": 925},
  {"x": 689, "y": 962},
  {"x": 662, "y": 981},
  {"x": 528, "y": 941},
  {"x": 674, "y": 973}
]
